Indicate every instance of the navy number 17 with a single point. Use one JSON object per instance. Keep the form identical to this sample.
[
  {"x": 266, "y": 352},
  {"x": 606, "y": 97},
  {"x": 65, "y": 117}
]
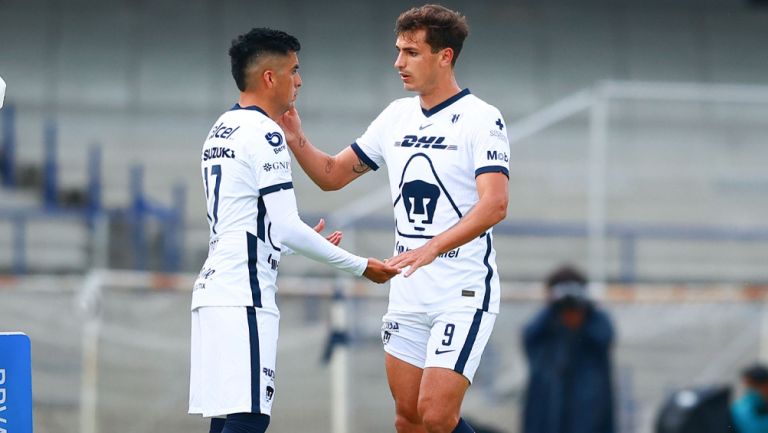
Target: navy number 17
[{"x": 213, "y": 207}]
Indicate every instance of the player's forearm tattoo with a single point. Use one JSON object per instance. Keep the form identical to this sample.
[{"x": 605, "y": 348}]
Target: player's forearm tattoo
[
  {"x": 302, "y": 142},
  {"x": 360, "y": 167},
  {"x": 329, "y": 163}
]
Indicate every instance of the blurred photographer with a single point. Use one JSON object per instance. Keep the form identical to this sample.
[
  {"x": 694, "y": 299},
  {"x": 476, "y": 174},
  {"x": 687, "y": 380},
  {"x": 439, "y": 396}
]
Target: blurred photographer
[
  {"x": 568, "y": 345},
  {"x": 750, "y": 412}
]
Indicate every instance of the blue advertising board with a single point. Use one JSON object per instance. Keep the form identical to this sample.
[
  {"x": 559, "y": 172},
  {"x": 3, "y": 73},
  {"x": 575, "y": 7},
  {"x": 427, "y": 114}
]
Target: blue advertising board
[{"x": 15, "y": 383}]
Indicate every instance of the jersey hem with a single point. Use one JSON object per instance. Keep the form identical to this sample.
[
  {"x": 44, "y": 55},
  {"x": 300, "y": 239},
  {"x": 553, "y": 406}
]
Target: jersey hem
[
  {"x": 268, "y": 309},
  {"x": 401, "y": 309}
]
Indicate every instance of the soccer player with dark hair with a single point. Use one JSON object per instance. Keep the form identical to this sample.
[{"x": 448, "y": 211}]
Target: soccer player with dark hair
[
  {"x": 447, "y": 158},
  {"x": 253, "y": 219}
]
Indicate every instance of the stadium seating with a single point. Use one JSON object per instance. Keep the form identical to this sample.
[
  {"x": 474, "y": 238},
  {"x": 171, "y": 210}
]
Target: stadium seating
[{"x": 150, "y": 99}]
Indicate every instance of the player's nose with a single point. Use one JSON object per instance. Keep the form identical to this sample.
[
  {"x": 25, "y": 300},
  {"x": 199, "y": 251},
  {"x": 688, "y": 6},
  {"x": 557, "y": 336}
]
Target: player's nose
[
  {"x": 297, "y": 81},
  {"x": 399, "y": 63}
]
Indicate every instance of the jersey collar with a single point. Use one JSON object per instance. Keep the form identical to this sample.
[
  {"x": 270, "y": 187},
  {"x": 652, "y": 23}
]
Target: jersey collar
[
  {"x": 445, "y": 103},
  {"x": 250, "y": 107}
]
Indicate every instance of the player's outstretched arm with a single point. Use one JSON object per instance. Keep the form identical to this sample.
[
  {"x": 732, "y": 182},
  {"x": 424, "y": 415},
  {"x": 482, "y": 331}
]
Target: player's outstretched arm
[
  {"x": 299, "y": 237},
  {"x": 330, "y": 173},
  {"x": 490, "y": 209}
]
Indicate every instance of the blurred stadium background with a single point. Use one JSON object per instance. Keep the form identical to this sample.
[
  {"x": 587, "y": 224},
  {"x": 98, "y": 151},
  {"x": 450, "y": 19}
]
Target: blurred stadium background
[{"x": 639, "y": 152}]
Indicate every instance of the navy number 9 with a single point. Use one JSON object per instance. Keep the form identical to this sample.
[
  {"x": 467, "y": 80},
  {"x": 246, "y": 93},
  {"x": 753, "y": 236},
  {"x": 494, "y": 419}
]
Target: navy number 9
[{"x": 449, "y": 328}]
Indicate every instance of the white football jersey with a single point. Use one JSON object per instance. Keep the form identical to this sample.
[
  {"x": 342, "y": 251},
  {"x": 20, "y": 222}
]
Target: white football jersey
[
  {"x": 432, "y": 158},
  {"x": 243, "y": 159}
]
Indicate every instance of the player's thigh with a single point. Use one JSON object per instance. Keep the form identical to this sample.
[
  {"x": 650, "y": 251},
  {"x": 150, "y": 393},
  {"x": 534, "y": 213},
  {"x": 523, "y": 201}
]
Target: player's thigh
[
  {"x": 441, "y": 392},
  {"x": 405, "y": 336},
  {"x": 404, "y": 380},
  {"x": 457, "y": 340}
]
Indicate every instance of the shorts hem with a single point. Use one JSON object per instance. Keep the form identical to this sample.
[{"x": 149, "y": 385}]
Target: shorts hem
[
  {"x": 453, "y": 369},
  {"x": 410, "y": 360},
  {"x": 221, "y": 412}
]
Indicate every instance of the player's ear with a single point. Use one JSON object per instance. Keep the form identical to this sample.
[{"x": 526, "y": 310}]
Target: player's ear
[
  {"x": 446, "y": 57},
  {"x": 268, "y": 77}
]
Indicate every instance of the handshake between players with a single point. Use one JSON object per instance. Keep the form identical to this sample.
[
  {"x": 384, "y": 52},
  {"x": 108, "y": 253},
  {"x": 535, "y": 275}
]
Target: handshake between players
[{"x": 376, "y": 270}]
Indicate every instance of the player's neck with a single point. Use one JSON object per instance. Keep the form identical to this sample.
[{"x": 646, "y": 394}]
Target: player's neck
[
  {"x": 250, "y": 99},
  {"x": 439, "y": 93}
]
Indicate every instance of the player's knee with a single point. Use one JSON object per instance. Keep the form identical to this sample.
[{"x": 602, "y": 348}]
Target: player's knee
[
  {"x": 436, "y": 420},
  {"x": 404, "y": 424},
  {"x": 246, "y": 423},
  {"x": 440, "y": 425},
  {"x": 406, "y": 418},
  {"x": 426, "y": 405},
  {"x": 407, "y": 411}
]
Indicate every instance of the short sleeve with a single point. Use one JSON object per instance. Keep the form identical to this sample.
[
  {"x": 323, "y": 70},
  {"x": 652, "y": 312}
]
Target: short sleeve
[
  {"x": 369, "y": 146},
  {"x": 490, "y": 145},
  {"x": 271, "y": 162}
]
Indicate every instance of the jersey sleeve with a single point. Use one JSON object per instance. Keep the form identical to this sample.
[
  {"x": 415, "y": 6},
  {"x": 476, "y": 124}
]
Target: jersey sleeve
[
  {"x": 300, "y": 238},
  {"x": 490, "y": 145},
  {"x": 271, "y": 162},
  {"x": 369, "y": 146}
]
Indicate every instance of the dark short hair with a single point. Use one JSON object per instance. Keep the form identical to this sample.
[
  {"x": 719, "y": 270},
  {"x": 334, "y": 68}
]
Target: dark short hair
[
  {"x": 566, "y": 274},
  {"x": 756, "y": 373},
  {"x": 444, "y": 28},
  {"x": 247, "y": 47}
]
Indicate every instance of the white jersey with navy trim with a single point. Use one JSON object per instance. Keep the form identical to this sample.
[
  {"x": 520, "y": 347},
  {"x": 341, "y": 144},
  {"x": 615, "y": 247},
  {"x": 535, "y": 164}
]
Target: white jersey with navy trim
[
  {"x": 432, "y": 158},
  {"x": 243, "y": 159}
]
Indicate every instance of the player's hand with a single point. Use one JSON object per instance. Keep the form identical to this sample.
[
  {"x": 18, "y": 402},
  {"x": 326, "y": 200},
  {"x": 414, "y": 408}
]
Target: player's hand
[
  {"x": 290, "y": 122},
  {"x": 334, "y": 238},
  {"x": 415, "y": 258},
  {"x": 379, "y": 272}
]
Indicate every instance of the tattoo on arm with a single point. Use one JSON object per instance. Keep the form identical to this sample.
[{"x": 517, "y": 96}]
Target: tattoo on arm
[
  {"x": 329, "y": 163},
  {"x": 302, "y": 142},
  {"x": 360, "y": 167}
]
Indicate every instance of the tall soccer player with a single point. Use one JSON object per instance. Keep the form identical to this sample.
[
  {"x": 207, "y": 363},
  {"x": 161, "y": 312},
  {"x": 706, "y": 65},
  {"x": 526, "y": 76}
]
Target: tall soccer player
[
  {"x": 447, "y": 157},
  {"x": 253, "y": 219}
]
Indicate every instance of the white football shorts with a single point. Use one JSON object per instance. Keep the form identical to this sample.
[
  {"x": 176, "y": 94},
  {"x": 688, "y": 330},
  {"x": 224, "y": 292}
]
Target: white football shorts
[
  {"x": 453, "y": 339},
  {"x": 233, "y": 351}
]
